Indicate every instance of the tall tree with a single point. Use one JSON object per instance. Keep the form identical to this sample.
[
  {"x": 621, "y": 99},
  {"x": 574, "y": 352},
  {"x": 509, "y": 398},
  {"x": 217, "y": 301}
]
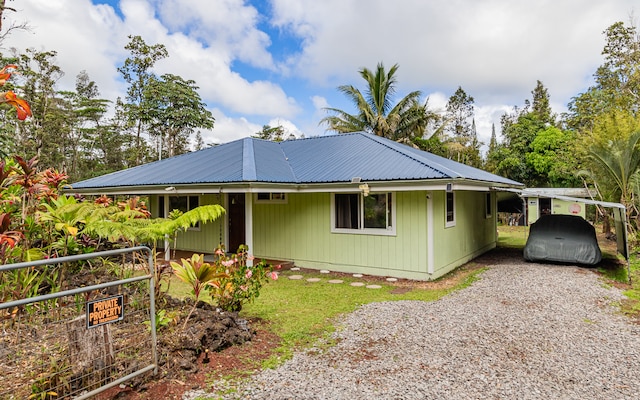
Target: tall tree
[
  {"x": 89, "y": 125},
  {"x": 459, "y": 114},
  {"x": 554, "y": 157},
  {"x": 520, "y": 129},
  {"x": 493, "y": 142},
  {"x": 199, "y": 144},
  {"x": 136, "y": 71},
  {"x": 616, "y": 162},
  {"x": 541, "y": 108},
  {"x": 617, "y": 80},
  {"x": 40, "y": 74},
  {"x": 492, "y": 156},
  {"x": 376, "y": 112},
  {"x": 174, "y": 109},
  {"x": 619, "y": 76},
  {"x": 272, "y": 133},
  {"x": 462, "y": 141}
]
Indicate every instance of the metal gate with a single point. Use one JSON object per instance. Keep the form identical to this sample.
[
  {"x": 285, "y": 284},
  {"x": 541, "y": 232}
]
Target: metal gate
[{"x": 76, "y": 326}]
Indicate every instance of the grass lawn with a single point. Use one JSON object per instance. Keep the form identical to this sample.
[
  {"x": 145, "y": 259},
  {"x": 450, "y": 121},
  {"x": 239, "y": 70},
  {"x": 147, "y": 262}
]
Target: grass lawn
[{"x": 512, "y": 236}]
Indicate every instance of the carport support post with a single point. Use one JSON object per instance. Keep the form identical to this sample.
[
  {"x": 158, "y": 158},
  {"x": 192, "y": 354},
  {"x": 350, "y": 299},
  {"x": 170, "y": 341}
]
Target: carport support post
[{"x": 248, "y": 224}]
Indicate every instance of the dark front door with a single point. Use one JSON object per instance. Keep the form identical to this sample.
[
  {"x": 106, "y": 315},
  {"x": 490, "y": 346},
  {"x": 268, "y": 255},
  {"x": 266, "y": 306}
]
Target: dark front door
[{"x": 236, "y": 221}]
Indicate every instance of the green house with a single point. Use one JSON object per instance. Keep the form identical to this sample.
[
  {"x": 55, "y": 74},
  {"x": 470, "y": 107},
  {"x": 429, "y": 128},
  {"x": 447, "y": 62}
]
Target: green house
[
  {"x": 353, "y": 203},
  {"x": 541, "y": 201}
]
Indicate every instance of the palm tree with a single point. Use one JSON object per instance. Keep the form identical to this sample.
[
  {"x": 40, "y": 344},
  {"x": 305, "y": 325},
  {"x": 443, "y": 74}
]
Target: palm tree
[
  {"x": 618, "y": 162},
  {"x": 376, "y": 114}
]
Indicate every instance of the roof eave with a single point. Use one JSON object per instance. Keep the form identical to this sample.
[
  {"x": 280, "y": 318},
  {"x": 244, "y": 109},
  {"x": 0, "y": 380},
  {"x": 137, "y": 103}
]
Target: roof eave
[{"x": 315, "y": 187}]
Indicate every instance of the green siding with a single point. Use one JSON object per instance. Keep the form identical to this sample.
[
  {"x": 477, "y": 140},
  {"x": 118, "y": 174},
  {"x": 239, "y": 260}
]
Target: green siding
[
  {"x": 532, "y": 210},
  {"x": 472, "y": 235},
  {"x": 301, "y": 231}
]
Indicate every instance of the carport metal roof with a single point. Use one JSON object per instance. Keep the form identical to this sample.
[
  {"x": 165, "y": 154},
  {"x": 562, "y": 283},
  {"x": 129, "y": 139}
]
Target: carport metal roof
[{"x": 619, "y": 213}]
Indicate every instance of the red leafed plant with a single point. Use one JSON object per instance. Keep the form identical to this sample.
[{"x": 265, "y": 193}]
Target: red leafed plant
[{"x": 9, "y": 97}]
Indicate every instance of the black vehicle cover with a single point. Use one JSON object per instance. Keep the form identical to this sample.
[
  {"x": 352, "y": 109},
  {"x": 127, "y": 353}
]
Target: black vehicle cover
[{"x": 562, "y": 238}]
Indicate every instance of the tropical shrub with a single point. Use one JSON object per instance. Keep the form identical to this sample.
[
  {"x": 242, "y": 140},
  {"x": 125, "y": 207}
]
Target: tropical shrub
[
  {"x": 239, "y": 283},
  {"x": 197, "y": 274}
]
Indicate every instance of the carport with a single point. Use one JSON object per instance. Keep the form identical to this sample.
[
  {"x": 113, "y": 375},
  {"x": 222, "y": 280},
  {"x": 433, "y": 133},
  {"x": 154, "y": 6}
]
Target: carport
[{"x": 619, "y": 214}]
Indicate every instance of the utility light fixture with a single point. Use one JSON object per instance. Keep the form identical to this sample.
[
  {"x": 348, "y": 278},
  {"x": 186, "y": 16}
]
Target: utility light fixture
[{"x": 365, "y": 189}]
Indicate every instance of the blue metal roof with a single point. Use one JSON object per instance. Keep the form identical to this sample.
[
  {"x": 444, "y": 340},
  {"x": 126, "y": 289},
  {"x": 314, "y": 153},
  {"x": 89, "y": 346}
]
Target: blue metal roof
[{"x": 322, "y": 159}]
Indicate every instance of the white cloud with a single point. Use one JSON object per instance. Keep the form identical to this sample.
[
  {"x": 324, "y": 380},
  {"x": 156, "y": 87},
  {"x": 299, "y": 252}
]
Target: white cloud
[
  {"x": 85, "y": 37},
  {"x": 227, "y": 26},
  {"x": 227, "y": 129},
  {"x": 92, "y": 38},
  {"x": 319, "y": 102},
  {"x": 495, "y": 50},
  {"x": 289, "y": 127}
]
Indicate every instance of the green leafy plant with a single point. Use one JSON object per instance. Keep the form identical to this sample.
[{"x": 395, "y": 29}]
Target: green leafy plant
[
  {"x": 52, "y": 383},
  {"x": 198, "y": 274},
  {"x": 162, "y": 319},
  {"x": 240, "y": 282}
]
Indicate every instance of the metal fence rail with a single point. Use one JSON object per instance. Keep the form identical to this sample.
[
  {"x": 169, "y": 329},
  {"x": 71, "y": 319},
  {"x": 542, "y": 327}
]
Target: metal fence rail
[{"x": 63, "y": 342}]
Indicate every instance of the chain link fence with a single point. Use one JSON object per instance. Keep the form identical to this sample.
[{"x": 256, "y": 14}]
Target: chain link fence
[{"x": 72, "y": 327}]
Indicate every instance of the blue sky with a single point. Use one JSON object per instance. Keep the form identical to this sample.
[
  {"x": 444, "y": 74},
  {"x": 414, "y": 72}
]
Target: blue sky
[{"x": 279, "y": 62}]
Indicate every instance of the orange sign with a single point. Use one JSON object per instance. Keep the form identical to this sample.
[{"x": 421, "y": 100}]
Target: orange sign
[{"x": 105, "y": 311}]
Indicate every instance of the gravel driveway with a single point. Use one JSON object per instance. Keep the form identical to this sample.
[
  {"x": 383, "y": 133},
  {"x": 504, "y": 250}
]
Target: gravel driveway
[{"x": 523, "y": 331}]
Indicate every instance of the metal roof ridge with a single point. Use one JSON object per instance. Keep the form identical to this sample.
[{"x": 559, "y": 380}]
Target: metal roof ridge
[
  {"x": 249, "y": 172},
  {"x": 411, "y": 156}
]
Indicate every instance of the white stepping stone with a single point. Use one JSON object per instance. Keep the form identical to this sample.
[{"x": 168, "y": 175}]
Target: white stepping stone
[
  {"x": 295, "y": 277},
  {"x": 392, "y": 280},
  {"x": 335, "y": 281},
  {"x": 295, "y": 269},
  {"x": 325, "y": 271},
  {"x": 357, "y": 275},
  {"x": 314, "y": 280},
  {"x": 357, "y": 284},
  {"x": 374, "y": 287}
]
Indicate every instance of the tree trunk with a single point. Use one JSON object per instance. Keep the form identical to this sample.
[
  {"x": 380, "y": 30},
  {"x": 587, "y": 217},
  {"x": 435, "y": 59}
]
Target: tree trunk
[
  {"x": 90, "y": 350},
  {"x": 606, "y": 223}
]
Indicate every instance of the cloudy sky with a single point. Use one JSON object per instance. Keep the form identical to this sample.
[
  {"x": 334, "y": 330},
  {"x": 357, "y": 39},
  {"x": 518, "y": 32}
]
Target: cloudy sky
[{"x": 279, "y": 62}]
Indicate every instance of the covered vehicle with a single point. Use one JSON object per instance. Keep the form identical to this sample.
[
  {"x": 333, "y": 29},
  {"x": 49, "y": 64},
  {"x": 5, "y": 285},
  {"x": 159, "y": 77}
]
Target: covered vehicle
[{"x": 562, "y": 238}]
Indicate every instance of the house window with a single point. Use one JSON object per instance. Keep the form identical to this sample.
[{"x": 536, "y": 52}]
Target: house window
[
  {"x": 181, "y": 203},
  {"x": 357, "y": 213},
  {"x": 488, "y": 205},
  {"x": 271, "y": 198},
  {"x": 450, "y": 209}
]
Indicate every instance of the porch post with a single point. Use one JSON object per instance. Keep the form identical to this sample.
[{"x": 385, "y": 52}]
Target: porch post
[
  {"x": 248, "y": 224},
  {"x": 430, "y": 255}
]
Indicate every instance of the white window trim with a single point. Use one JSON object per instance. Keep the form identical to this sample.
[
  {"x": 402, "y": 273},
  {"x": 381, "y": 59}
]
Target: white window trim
[
  {"x": 449, "y": 224},
  {"x": 488, "y": 198},
  {"x": 391, "y": 231},
  {"x": 283, "y": 200}
]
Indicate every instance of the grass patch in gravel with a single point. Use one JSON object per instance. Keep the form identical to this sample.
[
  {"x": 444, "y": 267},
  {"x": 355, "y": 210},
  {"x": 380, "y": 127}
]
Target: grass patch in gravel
[
  {"x": 631, "y": 306},
  {"x": 512, "y": 236},
  {"x": 302, "y": 312}
]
